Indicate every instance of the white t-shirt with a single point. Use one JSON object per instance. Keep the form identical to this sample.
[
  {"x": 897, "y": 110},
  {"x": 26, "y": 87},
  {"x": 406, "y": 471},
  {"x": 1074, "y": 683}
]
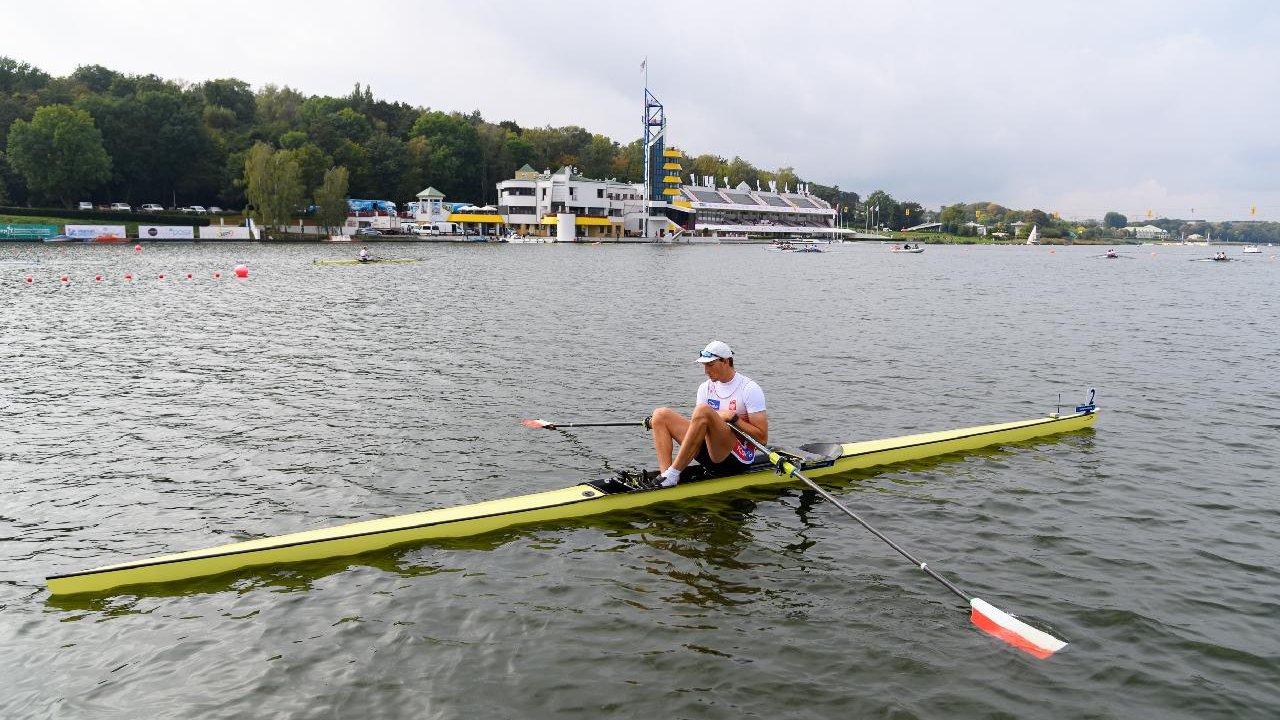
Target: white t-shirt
[{"x": 741, "y": 395}]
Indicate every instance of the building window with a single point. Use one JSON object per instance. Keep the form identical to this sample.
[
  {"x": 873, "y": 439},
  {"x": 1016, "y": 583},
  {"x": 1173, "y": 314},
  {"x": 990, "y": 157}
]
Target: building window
[{"x": 600, "y": 193}]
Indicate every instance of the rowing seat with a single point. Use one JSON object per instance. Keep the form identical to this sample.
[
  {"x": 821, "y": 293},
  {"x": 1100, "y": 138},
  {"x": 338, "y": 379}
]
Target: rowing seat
[{"x": 808, "y": 456}]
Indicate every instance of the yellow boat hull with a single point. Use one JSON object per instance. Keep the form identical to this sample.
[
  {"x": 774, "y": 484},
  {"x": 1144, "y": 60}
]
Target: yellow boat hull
[{"x": 577, "y": 501}]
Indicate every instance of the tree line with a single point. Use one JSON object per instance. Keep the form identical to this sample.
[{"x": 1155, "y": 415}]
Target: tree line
[{"x": 111, "y": 137}]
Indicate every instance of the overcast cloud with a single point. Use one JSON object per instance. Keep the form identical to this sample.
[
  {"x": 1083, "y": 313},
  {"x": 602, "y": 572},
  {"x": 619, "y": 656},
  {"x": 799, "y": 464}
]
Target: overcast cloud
[{"x": 1076, "y": 107}]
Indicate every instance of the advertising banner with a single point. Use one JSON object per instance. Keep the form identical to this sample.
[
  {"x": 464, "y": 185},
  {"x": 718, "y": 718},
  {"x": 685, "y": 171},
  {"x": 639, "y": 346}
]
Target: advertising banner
[
  {"x": 224, "y": 232},
  {"x": 93, "y": 231},
  {"x": 27, "y": 232},
  {"x": 166, "y": 232}
]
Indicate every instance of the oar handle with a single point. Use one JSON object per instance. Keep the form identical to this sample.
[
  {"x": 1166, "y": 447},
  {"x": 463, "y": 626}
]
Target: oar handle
[{"x": 786, "y": 466}]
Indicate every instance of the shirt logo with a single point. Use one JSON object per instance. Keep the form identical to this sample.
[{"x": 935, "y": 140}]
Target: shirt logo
[
  {"x": 733, "y": 405},
  {"x": 714, "y": 403}
]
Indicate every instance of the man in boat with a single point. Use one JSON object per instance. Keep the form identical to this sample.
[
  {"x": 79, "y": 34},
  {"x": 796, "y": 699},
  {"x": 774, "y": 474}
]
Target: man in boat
[
  {"x": 726, "y": 398},
  {"x": 1111, "y": 253},
  {"x": 364, "y": 254}
]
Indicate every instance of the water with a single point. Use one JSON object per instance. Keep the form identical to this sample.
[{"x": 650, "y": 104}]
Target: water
[{"x": 152, "y": 416}]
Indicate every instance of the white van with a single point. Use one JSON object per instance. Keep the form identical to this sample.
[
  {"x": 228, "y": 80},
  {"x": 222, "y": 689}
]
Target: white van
[
  {"x": 150, "y": 207},
  {"x": 121, "y": 206},
  {"x": 86, "y": 206}
]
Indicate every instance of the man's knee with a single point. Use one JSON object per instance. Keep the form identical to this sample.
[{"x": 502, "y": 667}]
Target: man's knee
[{"x": 663, "y": 416}]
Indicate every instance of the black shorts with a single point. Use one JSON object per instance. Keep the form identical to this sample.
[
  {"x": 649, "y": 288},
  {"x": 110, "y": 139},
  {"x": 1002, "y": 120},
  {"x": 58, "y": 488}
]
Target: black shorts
[{"x": 728, "y": 466}]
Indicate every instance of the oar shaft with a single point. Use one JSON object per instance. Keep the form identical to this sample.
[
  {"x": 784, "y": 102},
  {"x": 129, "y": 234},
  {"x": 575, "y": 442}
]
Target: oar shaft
[
  {"x": 791, "y": 469},
  {"x": 629, "y": 423}
]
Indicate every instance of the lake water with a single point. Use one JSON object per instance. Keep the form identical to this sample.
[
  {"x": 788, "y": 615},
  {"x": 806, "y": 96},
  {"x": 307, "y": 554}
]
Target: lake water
[{"x": 153, "y": 416}]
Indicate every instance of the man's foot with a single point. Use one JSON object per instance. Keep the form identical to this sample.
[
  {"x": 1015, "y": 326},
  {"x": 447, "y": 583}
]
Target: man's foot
[{"x": 670, "y": 477}]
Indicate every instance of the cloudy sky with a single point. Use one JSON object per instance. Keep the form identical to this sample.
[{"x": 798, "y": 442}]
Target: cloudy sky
[{"x": 1163, "y": 106}]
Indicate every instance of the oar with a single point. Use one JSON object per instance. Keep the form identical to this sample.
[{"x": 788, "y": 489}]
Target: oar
[
  {"x": 987, "y": 617},
  {"x": 548, "y": 425}
]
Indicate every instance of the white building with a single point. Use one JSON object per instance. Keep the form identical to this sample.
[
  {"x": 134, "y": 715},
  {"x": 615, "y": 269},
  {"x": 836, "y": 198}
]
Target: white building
[
  {"x": 1147, "y": 232},
  {"x": 570, "y": 206}
]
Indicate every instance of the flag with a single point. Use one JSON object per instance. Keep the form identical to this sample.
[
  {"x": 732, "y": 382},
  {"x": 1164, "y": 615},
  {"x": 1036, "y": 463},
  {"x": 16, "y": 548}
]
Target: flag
[{"x": 644, "y": 63}]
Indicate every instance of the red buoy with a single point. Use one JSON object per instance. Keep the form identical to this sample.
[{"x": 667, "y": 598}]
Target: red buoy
[
  {"x": 242, "y": 271},
  {"x": 161, "y": 276},
  {"x": 29, "y": 279},
  {"x": 217, "y": 275},
  {"x": 97, "y": 277},
  {"x": 128, "y": 276},
  {"x": 64, "y": 278},
  {"x": 137, "y": 248},
  {"x": 188, "y": 276}
]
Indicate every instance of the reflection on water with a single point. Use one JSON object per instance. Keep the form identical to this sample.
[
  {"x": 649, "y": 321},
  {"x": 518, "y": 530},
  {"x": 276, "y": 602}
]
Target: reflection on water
[{"x": 148, "y": 417}]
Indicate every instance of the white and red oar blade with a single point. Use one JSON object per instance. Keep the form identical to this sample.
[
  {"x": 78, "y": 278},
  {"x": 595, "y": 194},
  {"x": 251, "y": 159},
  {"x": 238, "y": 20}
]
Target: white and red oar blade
[
  {"x": 1010, "y": 629},
  {"x": 537, "y": 424}
]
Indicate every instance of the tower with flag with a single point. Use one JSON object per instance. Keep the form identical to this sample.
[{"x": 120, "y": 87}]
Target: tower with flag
[{"x": 662, "y": 169}]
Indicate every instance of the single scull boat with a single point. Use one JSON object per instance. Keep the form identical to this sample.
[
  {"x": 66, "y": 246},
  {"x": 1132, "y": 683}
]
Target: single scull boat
[
  {"x": 363, "y": 262},
  {"x": 588, "y": 498}
]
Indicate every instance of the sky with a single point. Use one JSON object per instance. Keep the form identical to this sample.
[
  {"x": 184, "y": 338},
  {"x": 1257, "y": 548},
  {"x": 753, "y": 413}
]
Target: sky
[{"x": 1167, "y": 108}]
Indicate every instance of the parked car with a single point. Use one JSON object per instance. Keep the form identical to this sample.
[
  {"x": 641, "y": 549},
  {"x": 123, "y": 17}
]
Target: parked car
[
  {"x": 123, "y": 207},
  {"x": 368, "y": 231},
  {"x": 195, "y": 210},
  {"x": 86, "y": 206},
  {"x": 150, "y": 207},
  {"x": 214, "y": 210}
]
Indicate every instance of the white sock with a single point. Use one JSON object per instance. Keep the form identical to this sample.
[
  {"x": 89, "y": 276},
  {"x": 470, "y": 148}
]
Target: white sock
[{"x": 670, "y": 477}]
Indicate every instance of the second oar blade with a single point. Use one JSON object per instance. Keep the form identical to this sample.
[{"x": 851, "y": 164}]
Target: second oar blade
[{"x": 538, "y": 424}]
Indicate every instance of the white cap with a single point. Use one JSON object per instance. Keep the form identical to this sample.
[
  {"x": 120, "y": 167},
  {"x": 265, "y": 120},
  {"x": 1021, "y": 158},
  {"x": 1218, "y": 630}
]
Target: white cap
[{"x": 715, "y": 350}]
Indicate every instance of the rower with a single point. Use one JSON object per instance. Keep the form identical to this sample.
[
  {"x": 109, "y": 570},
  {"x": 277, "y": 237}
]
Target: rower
[
  {"x": 1111, "y": 253},
  {"x": 726, "y": 398},
  {"x": 364, "y": 255}
]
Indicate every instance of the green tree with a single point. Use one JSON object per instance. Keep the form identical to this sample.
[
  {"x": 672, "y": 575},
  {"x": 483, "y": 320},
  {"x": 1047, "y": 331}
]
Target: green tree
[
  {"x": 387, "y": 162},
  {"x": 232, "y": 94},
  {"x": 882, "y": 207},
  {"x": 312, "y": 165},
  {"x": 273, "y": 184},
  {"x": 59, "y": 153},
  {"x": 454, "y": 153},
  {"x": 1114, "y": 220},
  {"x": 952, "y": 218},
  {"x": 331, "y": 199},
  {"x": 157, "y": 140}
]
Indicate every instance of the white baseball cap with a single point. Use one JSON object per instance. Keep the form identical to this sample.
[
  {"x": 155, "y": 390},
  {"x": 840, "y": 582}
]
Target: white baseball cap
[{"x": 715, "y": 350}]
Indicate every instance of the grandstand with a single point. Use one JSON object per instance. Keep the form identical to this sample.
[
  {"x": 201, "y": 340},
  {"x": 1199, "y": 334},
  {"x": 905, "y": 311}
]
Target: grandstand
[{"x": 707, "y": 211}]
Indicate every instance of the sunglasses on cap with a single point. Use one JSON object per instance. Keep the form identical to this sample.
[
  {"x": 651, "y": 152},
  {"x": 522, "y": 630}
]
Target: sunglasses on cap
[{"x": 706, "y": 354}]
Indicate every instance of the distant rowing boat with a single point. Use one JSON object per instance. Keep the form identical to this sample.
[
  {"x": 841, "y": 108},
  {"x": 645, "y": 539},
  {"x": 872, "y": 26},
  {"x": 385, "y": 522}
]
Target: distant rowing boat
[
  {"x": 623, "y": 492},
  {"x": 363, "y": 262}
]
